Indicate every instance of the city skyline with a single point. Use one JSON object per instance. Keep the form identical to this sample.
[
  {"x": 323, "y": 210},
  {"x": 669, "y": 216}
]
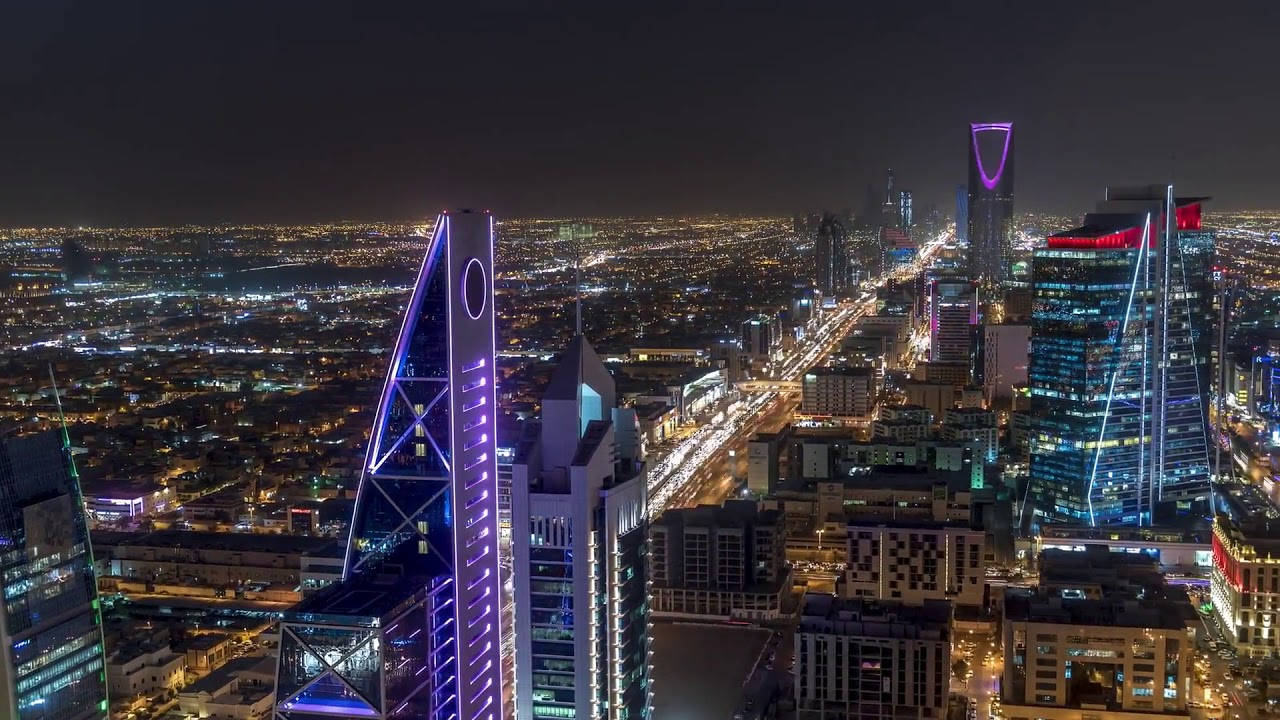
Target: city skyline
[
  {"x": 679, "y": 361},
  {"x": 307, "y": 116}
]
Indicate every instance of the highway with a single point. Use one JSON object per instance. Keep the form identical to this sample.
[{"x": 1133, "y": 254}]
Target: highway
[{"x": 695, "y": 470}]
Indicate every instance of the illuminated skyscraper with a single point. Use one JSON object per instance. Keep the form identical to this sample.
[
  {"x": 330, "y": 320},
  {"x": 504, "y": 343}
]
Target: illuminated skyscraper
[
  {"x": 906, "y": 216},
  {"x": 953, "y": 312},
  {"x": 990, "y": 206},
  {"x": 412, "y": 631},
  {"x": 831, "y": 255},
  {"x": 962, "y": 214},
  {"x": 1117, "y": 362},
  {"x": 579, "y": 564},
  {"x": 52, "y": 662}
]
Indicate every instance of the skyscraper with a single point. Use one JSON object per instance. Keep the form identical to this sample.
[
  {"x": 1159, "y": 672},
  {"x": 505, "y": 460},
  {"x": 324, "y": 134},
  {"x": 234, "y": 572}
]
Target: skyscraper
[
  {"x": 51, "y": 659},
  {"x": 580, "y": 589},
  {"x": 831, "y": 255},
  {"x": 953, "y": 311},
  {"x": 962, "y": 214},
  {"x": 1118, "y": 410},
  {"x": 412, "y": 631},
  {"x": 889, "y": 211},
  {"x": 990, "y": 204},
  {"x": 905, "y": 214}
]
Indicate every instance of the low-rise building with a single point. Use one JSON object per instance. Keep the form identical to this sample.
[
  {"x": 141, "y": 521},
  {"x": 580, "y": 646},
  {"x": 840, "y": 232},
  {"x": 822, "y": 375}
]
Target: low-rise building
[
  {"x": 972, "y": 425},
  {"x": 144, "y": 669},
  {"x": 913, "y": 562},
  {"x": 242, "y": 689},
  {"x": 902, "y": 424},
  {"x": 1102, "y": 637},
  {"x": 718, "y": 562},
  {"x": 872, "y": 661}
]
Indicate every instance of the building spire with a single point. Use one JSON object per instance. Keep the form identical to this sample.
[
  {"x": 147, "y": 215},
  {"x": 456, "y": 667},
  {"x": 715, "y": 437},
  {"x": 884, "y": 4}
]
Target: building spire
[{"x": 577, "y": 288}]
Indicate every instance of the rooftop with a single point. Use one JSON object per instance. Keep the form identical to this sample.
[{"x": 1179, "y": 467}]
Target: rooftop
[
  {"x": 828, "y": 614},
  {"x": 1101, "y": 588},
  {"x": 235, "y": 542}
]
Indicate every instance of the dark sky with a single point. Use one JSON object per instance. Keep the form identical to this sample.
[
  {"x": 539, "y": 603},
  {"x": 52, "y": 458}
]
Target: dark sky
[{"x": 190, "y": 111}]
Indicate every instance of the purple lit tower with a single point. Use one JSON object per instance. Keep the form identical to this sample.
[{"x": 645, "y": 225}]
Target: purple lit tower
[
  {"x": 990, "y": 203},
  {"x": 413, "y": 629}
]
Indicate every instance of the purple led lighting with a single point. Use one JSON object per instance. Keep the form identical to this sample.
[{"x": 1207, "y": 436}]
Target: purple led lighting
[
  {"x": 388, "y": 385},
  {"x": 1007, "y": 129}
]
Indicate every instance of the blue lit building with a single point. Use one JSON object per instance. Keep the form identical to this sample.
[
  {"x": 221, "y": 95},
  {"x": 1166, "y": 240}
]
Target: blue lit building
[
  {"x": 50, "y": 626},
  {"x": 962, "y": 214},
  {"x": 1118, "y": 353},
  {"x": 413, "y": 629}
]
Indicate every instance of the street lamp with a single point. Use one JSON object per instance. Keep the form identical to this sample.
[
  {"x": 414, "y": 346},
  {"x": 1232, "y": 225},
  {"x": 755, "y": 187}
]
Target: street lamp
[{"x": 820, "y": 531}]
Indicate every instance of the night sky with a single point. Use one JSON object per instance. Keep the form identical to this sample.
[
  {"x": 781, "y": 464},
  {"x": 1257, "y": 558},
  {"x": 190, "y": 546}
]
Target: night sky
[{"x": 183, "y": 111}]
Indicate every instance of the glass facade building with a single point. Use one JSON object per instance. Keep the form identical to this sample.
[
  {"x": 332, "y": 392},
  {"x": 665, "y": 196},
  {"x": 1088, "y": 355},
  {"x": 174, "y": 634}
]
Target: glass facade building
[
  {"x": 50, "y": 624},
  {"x": 831, "y": 255},
  {"x": 989, "y": 211},
  {"x": 413, "y": 628},
  {"x": 1117, "y": 371},
  {"x": 579, "y": 555}
]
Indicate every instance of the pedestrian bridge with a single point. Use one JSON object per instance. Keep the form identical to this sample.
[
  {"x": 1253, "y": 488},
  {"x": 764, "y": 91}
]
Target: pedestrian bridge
[{"x": 782, "y": 386}]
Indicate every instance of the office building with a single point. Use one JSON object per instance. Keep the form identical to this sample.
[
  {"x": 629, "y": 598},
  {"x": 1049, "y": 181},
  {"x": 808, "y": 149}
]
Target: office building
[
  {"x": 413, "y": 628},
  {"x": 905, "y": 215},
  {"x": 890, "y": 208},
  {"x": 719, "y": 562},
  {"x": 579, "y": 564},
  {"x": 831, "y": 255},
  {"x": 1245, "y": 580},
  {"x": 1117, "y": 393},
  {"x": 962, "y": 214},
  {"x": 761, "y": 338},
  {"x": 990, "y": 205},
  {"x": 1102, "y": 636},
  {"x": 914, "y": 561},
  {"x": 51, "y": 657},
  {"x": 953, "y": 311},
  {"x": 1005, "y": 353},
  {"x": 838, "y": 392},
  {"x": 878, "y": 661}
]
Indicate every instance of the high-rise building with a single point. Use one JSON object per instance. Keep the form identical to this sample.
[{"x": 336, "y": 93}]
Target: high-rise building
[
  {"x": 413, "y": 628},
  {"x": 861, "y": 659},
  {"x": 838, "y": 391},
  {"x": 1117, "y": 387},
  {"x": 905, "y": 215},
  {"x": 580, "y": 589},
  {"x": 761, "y": 336},
  {"x": 962, "y": 214},
  {"x": 889, "y": 211},
  {"x": 953, "y": 311},
  {"x": 990, "y": 204},
  {"x": 831, "y": 255},
  {"x": 51, "y": 657},
  {"x": 1005, "y": 349}
]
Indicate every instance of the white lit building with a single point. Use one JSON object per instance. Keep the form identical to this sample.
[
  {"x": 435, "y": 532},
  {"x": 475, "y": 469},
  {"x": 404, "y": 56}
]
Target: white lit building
[{"x": 578, "y": 554}]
